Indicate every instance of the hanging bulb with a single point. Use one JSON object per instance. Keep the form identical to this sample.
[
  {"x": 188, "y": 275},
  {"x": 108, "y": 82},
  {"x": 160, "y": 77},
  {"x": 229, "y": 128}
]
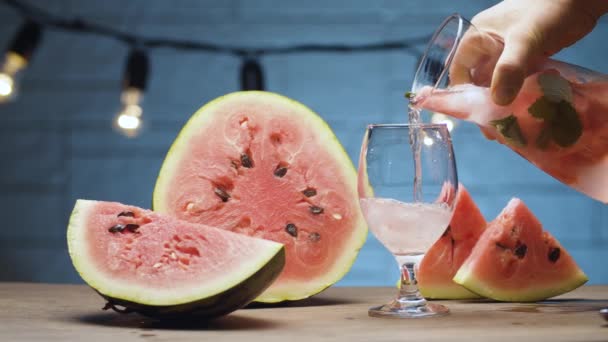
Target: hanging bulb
[
  {"x": 16, "y": 59},
  {"x": 443, "y": 119},
  {"x": 128, "y": 120},
  {"x": 252, "y": 75}
]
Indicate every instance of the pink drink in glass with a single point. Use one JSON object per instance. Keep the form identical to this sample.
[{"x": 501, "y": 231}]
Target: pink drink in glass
[{"x": 405, "y": 228}]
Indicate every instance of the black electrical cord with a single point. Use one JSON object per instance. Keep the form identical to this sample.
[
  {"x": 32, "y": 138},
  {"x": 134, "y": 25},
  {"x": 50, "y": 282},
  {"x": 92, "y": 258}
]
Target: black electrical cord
[{"x": 78, "y": 25}]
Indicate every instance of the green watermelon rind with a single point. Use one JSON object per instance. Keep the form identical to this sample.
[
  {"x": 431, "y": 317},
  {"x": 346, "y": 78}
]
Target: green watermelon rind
[
  {"x": 530, "y": 290},
  {"x": 456, "y": 292},
  {"x": 289, "y": 292},
  {"x": 238, "y": 288},
  {"x": 535, "y": 293}
]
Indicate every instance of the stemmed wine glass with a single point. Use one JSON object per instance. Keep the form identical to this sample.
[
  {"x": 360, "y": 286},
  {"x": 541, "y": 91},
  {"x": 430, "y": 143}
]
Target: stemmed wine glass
[{"x": 407, "y": 184}]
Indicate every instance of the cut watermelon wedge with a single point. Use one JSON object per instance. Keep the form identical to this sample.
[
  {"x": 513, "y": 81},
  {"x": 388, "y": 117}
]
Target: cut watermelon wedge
[
  {"x": 445, "y": 257},
  {"x": 515, "y": 260},
  {"x": 261, "y": 164},
  {"x": 160, "y": 266}
]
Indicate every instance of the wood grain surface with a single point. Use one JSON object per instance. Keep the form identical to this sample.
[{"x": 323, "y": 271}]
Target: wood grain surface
[{"x": 45, "y": 312}]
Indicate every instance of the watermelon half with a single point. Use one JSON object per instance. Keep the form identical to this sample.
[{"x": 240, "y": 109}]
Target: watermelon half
[
  {"x": 444, "y": 258},
  {"x": 160, "y": 266},
  {"x": 263, "y": 165},
  {"x": 515, "y": 260}
]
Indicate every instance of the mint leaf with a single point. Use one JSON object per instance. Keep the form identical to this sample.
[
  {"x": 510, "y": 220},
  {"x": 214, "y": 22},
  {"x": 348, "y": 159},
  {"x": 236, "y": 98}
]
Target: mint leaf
[
  {"x": 555, "y": 87},
  {"x": 409, "y": 95},
  {"x": 562, "y": 123},
  {"x": 567, "y": 126},
  {"x": 544, "y": 138},
  {"x": 509, "y": 128},
  {"x": 543, "y": 109}
]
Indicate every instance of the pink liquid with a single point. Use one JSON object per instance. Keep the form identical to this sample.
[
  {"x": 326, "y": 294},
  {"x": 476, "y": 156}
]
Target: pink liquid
[
  {"x": 405, "y": 228},
  {"x": 569, "y": 144}
]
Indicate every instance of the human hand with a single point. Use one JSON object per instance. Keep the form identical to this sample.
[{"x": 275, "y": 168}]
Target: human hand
[{"x": 533, "y": 30}]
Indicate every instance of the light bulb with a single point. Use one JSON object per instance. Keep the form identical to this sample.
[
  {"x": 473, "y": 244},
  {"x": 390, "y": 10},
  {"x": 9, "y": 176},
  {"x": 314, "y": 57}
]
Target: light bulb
[
  {"x": 17, "y": 56},
  {"x": 128, "y": 120},
  {"x": 9, "y": 74},
  {"x": 6, "y": 86},
  {"x": 439, "y": 118}
]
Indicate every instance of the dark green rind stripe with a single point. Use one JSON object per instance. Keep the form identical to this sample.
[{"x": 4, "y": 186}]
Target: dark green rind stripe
[{"x": 218, "y": 305}]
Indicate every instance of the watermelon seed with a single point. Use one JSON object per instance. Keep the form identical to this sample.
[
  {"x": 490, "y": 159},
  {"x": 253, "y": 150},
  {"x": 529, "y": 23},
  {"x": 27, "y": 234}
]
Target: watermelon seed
[
  {"x": 291, "y": 229},
  {"x": 117, "y": 228},
  {"x": 157, "y": 265},
  {"x": 126, "y": 214},
  {"x": 132, "y": 227},
  {"x": 280, "y": 171},
  {"x": 234, "y": 164},
  {"x": 120, "y": 227},
  {"x": 520, "y": 250},
  {"x": 337, "y": 216},
  {"x": 314, "y": 237},
  {"x": 222, "y": 194},
  {"x": 309, "y": 192},
  {"x": 554, "y": 254},
  {"x": 316, "y": 210},
  {"x": 246, "y": 161}
]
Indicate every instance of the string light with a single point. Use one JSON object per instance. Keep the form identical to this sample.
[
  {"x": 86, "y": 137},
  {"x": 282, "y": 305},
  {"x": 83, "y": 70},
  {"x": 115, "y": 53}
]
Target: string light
[
  {"x": 129, "y": 119},
  {"x": 16, "y": 58},
  {"x": 252, "y": 75}
]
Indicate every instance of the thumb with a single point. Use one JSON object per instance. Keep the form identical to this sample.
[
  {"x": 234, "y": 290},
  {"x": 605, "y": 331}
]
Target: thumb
[{"x": 512, "y": 66}]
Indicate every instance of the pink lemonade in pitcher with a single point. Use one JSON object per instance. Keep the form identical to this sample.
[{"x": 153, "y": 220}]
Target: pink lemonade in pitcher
[{"x": 558, "y": 122}]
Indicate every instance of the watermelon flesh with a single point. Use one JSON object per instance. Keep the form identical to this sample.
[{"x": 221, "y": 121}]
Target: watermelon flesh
[
  {"x": 263, "y": 165},
  {"x": 158, "y": 265},
  {"x": 444, "y": 258},
  {"x": 515, "y": 260}
]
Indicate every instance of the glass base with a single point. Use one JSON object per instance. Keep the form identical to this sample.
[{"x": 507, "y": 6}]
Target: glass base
[{"x": 396, "y": 309}]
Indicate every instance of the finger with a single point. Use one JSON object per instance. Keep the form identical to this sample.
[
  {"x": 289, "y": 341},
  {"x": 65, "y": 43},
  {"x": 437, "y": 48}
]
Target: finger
[
  {"x": 471, "y": 51},
  {"x": 512, "y": 66},
  {"x": 475, "y": 58}
]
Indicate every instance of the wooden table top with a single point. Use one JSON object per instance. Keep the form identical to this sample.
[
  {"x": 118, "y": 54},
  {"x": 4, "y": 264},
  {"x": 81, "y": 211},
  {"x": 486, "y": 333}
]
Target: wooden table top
[{"x": 44, "y": 312}]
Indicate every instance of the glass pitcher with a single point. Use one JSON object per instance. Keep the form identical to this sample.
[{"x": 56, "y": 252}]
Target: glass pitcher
[{"x": 558, "y": 121}]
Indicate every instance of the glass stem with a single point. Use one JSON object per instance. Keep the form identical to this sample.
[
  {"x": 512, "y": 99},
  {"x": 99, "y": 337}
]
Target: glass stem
[{"x": 408, "y": 292}]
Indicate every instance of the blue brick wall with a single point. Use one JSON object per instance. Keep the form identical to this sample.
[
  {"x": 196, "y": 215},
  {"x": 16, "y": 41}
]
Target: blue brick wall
[{"x": 57, "y": 144}]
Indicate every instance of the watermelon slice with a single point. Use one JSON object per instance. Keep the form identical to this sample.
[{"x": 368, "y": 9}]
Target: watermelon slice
[
  {"x": 444, "y": 258},
  {"x": 263, "y": 165},
  {"x": 160, "y": 266},
  {"x": 515, "y": 260}
]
